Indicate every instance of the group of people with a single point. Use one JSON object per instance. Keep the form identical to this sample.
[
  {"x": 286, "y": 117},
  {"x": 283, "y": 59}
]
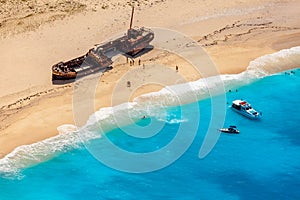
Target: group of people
[
  {"x": 131, "y": 62},
  {"x": 289, "y": 73}
]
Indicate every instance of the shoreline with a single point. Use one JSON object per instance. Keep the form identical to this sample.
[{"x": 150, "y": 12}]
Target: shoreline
[
  {"x": 69, "y": 88},
  {"x": 69, "y": 136},
  {"x": 29, "y": 105}
]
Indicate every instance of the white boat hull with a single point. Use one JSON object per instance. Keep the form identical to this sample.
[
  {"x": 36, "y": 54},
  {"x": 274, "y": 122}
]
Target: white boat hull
[{"x": 246, "y": 114}]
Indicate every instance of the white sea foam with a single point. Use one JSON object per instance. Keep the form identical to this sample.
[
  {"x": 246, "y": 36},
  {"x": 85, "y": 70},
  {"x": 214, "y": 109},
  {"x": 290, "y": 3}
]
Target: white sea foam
[
  {"x": 151, "y": 104},
  {"x": 258, "y": 68},
  {"x": 28, "y": 155},
  {"x": 175, "y": 121}
]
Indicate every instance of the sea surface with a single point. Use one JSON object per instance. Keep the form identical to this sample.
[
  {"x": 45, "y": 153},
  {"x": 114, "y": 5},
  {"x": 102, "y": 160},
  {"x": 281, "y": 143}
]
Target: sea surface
[{"x": 262, "y": 162}]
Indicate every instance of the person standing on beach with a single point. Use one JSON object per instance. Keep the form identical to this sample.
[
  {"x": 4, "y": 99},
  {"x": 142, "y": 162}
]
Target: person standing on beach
[
  {"x": 176, "y": 68},
  {"x": 128, "y": 84}
]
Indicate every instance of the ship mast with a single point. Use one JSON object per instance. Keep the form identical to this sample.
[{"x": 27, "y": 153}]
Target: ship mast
[{"x": 131, "y": 17}]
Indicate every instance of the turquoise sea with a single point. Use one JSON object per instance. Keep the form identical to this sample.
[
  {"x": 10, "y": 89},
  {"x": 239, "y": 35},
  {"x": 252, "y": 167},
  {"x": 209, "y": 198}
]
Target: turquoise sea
[{"x": 262, "y": 162}]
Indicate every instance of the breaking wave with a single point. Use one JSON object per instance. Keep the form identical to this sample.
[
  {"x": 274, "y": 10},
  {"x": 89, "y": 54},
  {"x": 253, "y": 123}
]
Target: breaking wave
[
  {"x": 27, "y": 155},
  {"x": 151, "y": 104},
  {"x": 258, "y": 68}
]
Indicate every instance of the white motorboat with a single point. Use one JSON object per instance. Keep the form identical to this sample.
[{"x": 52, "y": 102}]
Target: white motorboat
[
  {"x": 244, "y": 108},
  {"x": 231, "y": 129}
]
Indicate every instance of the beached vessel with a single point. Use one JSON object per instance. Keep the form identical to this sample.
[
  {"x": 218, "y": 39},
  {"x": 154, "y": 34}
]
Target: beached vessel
[
  {"x": 99, "y": 58},
  {"x": 244, "y": 108}
]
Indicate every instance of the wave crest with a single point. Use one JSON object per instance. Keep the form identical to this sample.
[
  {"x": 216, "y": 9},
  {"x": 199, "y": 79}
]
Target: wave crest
[{"x": 29, "y": 155}]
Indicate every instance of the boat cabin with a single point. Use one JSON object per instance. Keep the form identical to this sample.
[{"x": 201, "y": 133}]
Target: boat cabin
[{"x": 241, "y": 105}]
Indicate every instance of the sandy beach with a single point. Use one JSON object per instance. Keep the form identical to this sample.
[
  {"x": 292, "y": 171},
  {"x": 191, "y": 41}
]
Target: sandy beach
[{"x": 37, "y": 34}]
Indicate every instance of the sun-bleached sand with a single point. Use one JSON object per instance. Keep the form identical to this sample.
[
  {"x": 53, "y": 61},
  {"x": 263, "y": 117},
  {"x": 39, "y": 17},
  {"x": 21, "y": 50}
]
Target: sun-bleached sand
[{"x": 36, "y": 36}]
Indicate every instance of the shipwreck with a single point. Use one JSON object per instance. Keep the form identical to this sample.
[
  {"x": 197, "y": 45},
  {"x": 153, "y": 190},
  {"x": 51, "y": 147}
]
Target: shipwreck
[{"x": 99, "y": 58}]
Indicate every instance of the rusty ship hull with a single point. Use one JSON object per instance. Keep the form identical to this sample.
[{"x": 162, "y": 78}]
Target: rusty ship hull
[
  {"x": 99, "y": 58},
  {"x": 78, "y": 67}
]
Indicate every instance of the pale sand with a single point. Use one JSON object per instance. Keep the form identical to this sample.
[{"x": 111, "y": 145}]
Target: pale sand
[{"x": 233, "y": 34}]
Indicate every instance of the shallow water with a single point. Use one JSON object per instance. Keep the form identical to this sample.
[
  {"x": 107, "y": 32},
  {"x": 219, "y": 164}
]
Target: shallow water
[{"x": 262, "y": 162}]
